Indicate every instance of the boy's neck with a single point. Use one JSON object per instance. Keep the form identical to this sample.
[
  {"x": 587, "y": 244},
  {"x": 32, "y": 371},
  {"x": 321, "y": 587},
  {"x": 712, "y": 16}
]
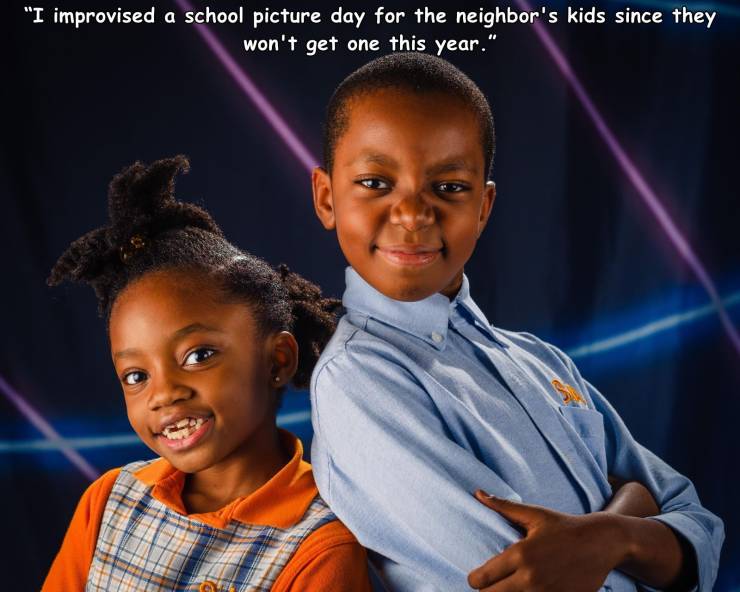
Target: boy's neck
[{"x": 453, "y": 287}]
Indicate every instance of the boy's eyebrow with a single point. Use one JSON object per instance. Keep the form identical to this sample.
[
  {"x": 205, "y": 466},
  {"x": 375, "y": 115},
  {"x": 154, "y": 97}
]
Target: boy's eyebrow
[
  {"x": 452, "y": 166},
  {"x": 179, "y": 334},
  {"x": 375, "y": 158},
  {"x": 459, "y": 164},
  {"x": 125, "y": 353}
]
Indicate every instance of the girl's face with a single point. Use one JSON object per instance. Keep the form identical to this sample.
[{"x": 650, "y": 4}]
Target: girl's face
[{"x": 197, "y": 377}]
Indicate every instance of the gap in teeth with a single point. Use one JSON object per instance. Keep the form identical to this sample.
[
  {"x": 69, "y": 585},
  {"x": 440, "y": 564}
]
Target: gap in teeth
[{"x": 182, "y": 429}]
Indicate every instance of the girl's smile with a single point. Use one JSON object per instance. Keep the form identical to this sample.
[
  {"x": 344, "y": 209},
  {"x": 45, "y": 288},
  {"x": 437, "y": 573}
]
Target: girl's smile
[{"x": 186, "y": 432}]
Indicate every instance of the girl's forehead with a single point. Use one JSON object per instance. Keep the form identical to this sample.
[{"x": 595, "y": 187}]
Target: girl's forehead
[
  {"x": 174, "y": 298},
  {"x": 171, "y": 285}
]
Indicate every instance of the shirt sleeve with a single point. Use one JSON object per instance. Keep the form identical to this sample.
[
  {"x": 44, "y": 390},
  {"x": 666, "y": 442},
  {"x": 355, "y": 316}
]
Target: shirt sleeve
[
  {"x": 674, "y": 493},
  {"x": 71, "y": 565},
  {"x": 330, "y": 560},
  {"x": 383, "y": 462}
]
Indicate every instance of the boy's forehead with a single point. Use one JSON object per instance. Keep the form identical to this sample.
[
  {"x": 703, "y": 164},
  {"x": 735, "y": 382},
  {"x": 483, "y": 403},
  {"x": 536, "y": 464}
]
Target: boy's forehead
[
  {"x": 387, "y": 99},
  {"x": 385, "y": 127}
]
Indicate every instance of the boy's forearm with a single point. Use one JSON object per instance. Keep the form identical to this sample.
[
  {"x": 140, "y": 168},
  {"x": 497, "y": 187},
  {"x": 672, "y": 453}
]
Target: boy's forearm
[
  {"x": 631, "y": 498},
  {"x": 653, "y": 553}
]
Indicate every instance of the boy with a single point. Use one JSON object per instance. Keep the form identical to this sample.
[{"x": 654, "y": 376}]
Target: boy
[{"x": 418, "y": 401}]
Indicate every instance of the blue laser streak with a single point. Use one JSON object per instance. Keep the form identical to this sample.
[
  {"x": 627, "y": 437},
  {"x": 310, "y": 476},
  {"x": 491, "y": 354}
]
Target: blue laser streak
[
  {"x": 43, "y": 426},
  {"x": 649, "y": 329},
  {"x": 116, "y": 440},
  {"x": 598, "y": 347}
]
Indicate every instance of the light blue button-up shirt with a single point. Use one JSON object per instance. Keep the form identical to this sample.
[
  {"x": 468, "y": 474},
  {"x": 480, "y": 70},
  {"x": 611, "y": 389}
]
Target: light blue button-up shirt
[{"x": 415, "y": 405}]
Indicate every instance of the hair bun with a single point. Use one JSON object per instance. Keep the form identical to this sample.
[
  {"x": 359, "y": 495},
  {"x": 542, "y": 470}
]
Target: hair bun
[{"x": 141, "y": 201}]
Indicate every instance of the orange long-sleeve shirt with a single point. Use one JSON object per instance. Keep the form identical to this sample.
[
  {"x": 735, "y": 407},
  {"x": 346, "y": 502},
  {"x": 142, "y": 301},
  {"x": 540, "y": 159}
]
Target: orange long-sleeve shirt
[{"x": 330, "y": 559}]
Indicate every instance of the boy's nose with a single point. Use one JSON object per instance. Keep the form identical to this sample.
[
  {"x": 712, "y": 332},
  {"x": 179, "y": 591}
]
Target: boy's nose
[
  {"x": 412, "y": 211},
  {"x": 168, "y": 393}
]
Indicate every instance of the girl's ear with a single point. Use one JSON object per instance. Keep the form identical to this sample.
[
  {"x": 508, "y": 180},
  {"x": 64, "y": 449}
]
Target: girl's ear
[
  {"x": 284, "y": 358},
  {"x": 323, "y": 198}
]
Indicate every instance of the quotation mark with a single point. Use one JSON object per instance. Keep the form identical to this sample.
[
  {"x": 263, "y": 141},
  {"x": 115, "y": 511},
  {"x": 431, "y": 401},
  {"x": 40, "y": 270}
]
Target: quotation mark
[{"x": 35, "y": 9}]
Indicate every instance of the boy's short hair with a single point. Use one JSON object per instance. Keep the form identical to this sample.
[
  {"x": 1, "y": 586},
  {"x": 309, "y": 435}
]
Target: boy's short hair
[{"x": 416, "y": 72}]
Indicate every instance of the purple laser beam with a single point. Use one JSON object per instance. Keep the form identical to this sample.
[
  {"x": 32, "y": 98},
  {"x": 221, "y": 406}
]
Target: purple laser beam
[
  {"x": 633, "y": 174},
  {"x": 248, "y": 87},
  {"x": 635, "y": 177},
  {"x": 47, "y": 430}
]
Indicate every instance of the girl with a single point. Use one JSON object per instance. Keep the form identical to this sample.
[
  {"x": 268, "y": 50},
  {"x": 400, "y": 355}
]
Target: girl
[{"x": 200, "y": 336}]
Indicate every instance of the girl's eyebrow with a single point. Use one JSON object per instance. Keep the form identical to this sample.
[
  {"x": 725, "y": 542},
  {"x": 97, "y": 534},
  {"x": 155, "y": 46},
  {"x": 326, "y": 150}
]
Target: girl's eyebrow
[
  {"x": 179, "y": 334},
  {"x": 194, "y": 328}
]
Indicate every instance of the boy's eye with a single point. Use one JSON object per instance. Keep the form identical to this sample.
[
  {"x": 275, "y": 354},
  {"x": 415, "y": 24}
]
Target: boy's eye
[
  {"x": 198, "y": 356},
  {"x": 135, "y": 377},
  {"x": 451, "y": 187},
  {"x": 374, "y": 183}
]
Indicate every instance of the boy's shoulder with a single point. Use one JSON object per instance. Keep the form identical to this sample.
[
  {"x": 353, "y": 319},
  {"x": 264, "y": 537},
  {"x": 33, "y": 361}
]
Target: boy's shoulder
[
  {"x": 353, "y": 335},
  {"x": 349, "y": 336},
  {"x": 533, "y": 345},
  {"x": 354, "y": 346}
]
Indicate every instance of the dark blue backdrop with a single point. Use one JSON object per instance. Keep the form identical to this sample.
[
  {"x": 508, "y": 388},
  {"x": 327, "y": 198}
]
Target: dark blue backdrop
[{"x": 572, "y": 252}]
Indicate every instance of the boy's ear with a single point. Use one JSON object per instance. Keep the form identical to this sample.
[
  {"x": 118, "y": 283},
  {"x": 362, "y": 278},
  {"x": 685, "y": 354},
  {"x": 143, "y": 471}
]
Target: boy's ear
[
  {"x": 323, "y": 198},
  {"x": 489, "y": 196}
]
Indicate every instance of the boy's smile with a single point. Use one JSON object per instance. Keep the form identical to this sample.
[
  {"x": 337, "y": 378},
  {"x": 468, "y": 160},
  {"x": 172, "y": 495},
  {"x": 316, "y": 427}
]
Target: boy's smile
[{"x": 407, "y": 192}]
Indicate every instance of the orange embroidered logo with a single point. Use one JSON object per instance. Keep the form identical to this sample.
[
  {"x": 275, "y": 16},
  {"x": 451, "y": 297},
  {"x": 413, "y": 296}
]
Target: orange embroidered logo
[
  {"x": 209, "y": 586},
  {"x": 568, "y": 392}
]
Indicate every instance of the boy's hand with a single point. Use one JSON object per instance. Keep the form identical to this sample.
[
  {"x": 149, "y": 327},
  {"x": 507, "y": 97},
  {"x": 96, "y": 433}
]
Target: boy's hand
[{"x": 572, "y": 553}]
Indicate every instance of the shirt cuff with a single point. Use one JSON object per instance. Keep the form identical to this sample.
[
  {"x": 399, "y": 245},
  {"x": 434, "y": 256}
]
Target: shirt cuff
[{"x": 706, "y": 565}]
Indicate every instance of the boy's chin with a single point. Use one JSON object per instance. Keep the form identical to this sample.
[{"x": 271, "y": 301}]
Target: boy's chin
[
  {"x": 407, "y": 291},
  {"x": 410, "y": 287}
]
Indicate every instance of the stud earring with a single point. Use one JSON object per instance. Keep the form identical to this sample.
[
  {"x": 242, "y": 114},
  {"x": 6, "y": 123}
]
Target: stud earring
[{"x": 276, "y": 379}]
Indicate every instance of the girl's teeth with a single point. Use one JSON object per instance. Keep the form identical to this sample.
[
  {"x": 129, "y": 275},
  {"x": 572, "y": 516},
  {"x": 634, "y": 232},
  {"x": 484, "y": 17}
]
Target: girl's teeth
[{"x": 182, "y": 429}]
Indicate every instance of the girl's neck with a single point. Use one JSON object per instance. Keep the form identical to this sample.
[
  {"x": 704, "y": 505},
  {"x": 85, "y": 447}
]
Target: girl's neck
[{"x": 241, "y": 473}]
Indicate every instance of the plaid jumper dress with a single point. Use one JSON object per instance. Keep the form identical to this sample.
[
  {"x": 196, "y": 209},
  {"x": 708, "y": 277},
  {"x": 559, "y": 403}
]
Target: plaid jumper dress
[{"x": 144, "y": 545}]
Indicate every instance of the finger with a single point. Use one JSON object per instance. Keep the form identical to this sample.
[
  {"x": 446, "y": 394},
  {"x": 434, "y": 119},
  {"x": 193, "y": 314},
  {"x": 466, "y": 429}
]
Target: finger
[
  {"x": 510, "y": 584},
  {"x": 525, "y": 515},
  {"x": 504, "y": 587},
  {"x": 496, "y": 569}
]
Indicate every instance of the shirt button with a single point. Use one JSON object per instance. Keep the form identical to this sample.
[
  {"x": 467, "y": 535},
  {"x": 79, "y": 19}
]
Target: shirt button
[{"x": 437, "y": 338}]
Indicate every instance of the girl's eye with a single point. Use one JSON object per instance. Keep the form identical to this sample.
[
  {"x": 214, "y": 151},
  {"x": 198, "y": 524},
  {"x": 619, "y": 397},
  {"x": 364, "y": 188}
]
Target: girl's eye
[
  {"x": 374, "y": 183},
  {"x": 198, "y": 356},
  {"x": 134, "y": 377},
  {"x": 451, "y": 187}
]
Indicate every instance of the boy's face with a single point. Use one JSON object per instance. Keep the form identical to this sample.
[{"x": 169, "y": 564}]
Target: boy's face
[{"x": 407, "y": 193}]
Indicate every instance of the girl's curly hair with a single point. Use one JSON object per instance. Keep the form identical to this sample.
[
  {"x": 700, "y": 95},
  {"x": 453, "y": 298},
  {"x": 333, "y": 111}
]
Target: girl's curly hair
[{"x": 150, "y": 230}]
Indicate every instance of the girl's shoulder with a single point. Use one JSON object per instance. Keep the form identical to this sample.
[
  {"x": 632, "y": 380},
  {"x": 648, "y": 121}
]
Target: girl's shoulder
[
  {"x": 329, "y": 559},
  {"x": 70, "y": 568},
  {"x": 96, "y": 495}
]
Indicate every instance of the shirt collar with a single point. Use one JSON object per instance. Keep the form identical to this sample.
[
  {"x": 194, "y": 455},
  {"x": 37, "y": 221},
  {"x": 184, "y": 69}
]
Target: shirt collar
[
  {"x": 427, "y": 319},
  {"x": 280, "y": 503}
]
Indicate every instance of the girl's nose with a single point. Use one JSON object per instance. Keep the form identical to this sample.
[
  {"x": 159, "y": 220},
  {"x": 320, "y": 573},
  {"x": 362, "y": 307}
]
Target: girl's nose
[
  {"x": 412, "y": 211},
  {"x": 167, "y": 393}
]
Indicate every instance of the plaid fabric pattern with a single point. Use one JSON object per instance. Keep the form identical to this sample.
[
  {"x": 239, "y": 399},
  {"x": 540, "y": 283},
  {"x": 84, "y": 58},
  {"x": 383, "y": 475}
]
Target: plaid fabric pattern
[{"x": 144, "y": 545}]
